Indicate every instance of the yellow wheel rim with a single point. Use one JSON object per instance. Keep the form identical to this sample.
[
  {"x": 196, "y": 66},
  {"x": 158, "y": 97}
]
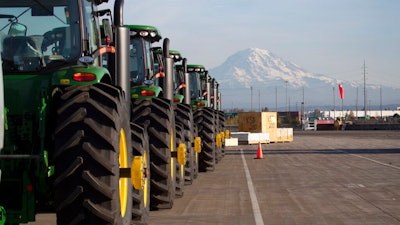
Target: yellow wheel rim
[
  {"x": 146, "y": 179},
  {"x": 197, "y": 144},
  {"x": 182, "y": 171},
  {"x": 218, "y": 140},
  {"x": 227, "y": 134},
  {"x": 123, "y": 163},
  {"x": 181, "y": 154},
  {"x": 197, "y": 158},
  {"x": 140, "y": 175}
]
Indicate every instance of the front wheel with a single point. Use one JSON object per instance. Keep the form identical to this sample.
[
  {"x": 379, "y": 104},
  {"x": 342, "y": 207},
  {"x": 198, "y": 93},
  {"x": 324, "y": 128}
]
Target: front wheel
[
  {"x": 141, "y": 197},
  {"x": 92, "y": 143},
  {"x": 184, "y": 116}
]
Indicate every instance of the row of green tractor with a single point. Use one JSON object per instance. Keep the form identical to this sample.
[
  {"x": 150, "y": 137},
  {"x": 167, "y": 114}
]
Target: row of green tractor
[
  {"x": 99, "y": 125},
  {"x": 2, "y": 210}
]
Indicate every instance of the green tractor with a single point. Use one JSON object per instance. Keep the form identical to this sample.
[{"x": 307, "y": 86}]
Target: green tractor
[
  {"x": 184, "y": 118},
  {"x": 165, "y": 59},
  {"x": 185, "y": 114},
  {"x": 141, "y": 75},
  {"x": 152, "y": 101},
  {"x": 174, "y": 86},
  {"x": 1, "y": 111},
  {"x": 220, "y": 131},
  {"x": 2, "y": 210},
  {"x": 213, "y": 102},
  {"x": 204, "y": 115},
  {"x": 205, "y": 101},
  {"x": 67, "y": 113}
]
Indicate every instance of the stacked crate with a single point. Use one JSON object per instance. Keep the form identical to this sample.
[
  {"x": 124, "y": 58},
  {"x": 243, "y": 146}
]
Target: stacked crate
[
  {"x": 264, "y": 122},
  {"x": 259, "y": 122}
]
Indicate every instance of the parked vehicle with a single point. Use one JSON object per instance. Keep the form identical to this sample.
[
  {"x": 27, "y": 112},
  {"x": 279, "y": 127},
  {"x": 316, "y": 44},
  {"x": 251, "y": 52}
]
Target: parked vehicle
[{"x": 68, "y": 142}]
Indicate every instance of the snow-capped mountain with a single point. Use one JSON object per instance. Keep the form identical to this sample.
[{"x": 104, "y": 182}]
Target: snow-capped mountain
[
  {"x": 254, "y": 65},
  {"x": 256, "y": 78}
]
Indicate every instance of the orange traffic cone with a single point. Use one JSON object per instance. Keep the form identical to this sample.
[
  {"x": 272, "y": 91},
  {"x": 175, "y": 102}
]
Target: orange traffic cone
[{"x": 259, "y": 152}]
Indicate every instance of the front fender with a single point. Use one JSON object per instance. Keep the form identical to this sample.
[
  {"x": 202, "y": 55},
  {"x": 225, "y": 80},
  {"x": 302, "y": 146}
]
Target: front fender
[{"x": 68, "y": 76}]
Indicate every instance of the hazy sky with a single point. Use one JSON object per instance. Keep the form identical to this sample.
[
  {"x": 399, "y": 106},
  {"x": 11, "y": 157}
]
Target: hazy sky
[{"x": 328, "y": 37}]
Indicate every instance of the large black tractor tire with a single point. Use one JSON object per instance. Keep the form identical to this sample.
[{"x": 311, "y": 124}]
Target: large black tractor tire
[
  {"x": 159, "y": 115},
  {"x": 204, "y": 118},
  {"x": 92, "y": 142},
  {"x": 141, "y": 198},
  {"x": 184, "y": 115}
]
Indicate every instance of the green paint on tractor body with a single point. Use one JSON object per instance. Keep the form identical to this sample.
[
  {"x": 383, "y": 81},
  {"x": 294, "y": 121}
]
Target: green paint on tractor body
[{"x": 43, "y": 53}]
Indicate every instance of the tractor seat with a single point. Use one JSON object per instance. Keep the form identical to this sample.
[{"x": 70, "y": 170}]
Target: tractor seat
[{"x": 21, "y": 53}]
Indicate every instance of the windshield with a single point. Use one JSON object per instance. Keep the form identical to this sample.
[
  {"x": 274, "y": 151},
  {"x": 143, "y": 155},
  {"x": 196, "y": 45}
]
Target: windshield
[
  {"x": 203, "y": 82},
  {"x": 158, "y": 68},
  {"x": 39, "y": 32},
  {"x": 178, "y": 80},
  {"x": 140, "y": 60},
  {"x": 194, "y": 85}
]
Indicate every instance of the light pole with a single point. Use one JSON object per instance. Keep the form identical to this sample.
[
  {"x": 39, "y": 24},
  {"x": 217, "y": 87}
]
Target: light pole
[
  {"x": 286, "y": 82},
  {"x": 259, "y": 100},
  {"x": 276, "y": 99},
  {"x": 302, "y": 115},
  {"x": 334, "y": 105}
]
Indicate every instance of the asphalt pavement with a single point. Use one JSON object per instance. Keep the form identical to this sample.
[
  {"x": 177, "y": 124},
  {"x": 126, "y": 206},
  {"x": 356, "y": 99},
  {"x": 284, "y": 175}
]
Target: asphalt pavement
[{"x": 322, "y": 177}]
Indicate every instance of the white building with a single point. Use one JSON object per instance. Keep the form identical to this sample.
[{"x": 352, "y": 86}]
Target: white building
[{"x": 359, "y": 113}]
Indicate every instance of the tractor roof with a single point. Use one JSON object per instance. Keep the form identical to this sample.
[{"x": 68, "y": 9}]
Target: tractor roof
[
  {"x": 196, "y": 67},
  {"x": 176, "y": 55},
  {"x": 146, "y": 31}
]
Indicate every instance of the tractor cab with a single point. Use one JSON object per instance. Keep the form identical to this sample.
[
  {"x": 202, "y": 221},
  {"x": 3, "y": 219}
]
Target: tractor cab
[
  {"x": 143, "y": 72},
  {"x": 198, "y": 91},
  {"x": 47, "y": 49},
  {"x": 178, "y": 77},
  {"x": 214, "y": 95},
  {"x": 38, "y": 36}
]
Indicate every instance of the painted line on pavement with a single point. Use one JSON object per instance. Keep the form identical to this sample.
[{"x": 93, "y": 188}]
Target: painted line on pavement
[
  {"x": 366, "y": 158},
  {"x": 375, "y": 161},
  {"x": 254, "y": 203}
]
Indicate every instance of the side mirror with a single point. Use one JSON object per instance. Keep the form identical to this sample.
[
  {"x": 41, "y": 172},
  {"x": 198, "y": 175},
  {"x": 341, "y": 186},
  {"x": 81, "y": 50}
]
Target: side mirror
[{"x": 17, "y": 29}]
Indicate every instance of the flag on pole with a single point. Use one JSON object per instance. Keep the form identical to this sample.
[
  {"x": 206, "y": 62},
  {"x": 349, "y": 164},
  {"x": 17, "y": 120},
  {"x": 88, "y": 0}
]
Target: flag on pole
[{"x": 341, "y": 91}]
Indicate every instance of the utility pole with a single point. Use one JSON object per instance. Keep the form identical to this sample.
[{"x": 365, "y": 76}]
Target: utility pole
[
  {"x": 251, "y": 100},
  {"x": 259, "y": 101},
  {"x": 286, "y": 82},
  {"x": 302, "y": 110},
  {"x": 380, "y": 93},
  {"x": 365, "y": 95},
  {"x": 357, "y": 104},
  {"x": 334, "y": 103},
  {"x": 342, "y": 113},
  {"x": 276, "y": 99}
]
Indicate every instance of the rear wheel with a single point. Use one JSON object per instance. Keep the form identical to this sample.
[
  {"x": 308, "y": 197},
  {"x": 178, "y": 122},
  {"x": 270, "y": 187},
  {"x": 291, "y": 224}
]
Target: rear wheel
[
  {"x": 184, "y": 115},
  {"x": 92, "y": 142},
  {"x": 218, "y": 136},
  {"x": 204, "y": 118},
  {"x": 158, "y": 113}
]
